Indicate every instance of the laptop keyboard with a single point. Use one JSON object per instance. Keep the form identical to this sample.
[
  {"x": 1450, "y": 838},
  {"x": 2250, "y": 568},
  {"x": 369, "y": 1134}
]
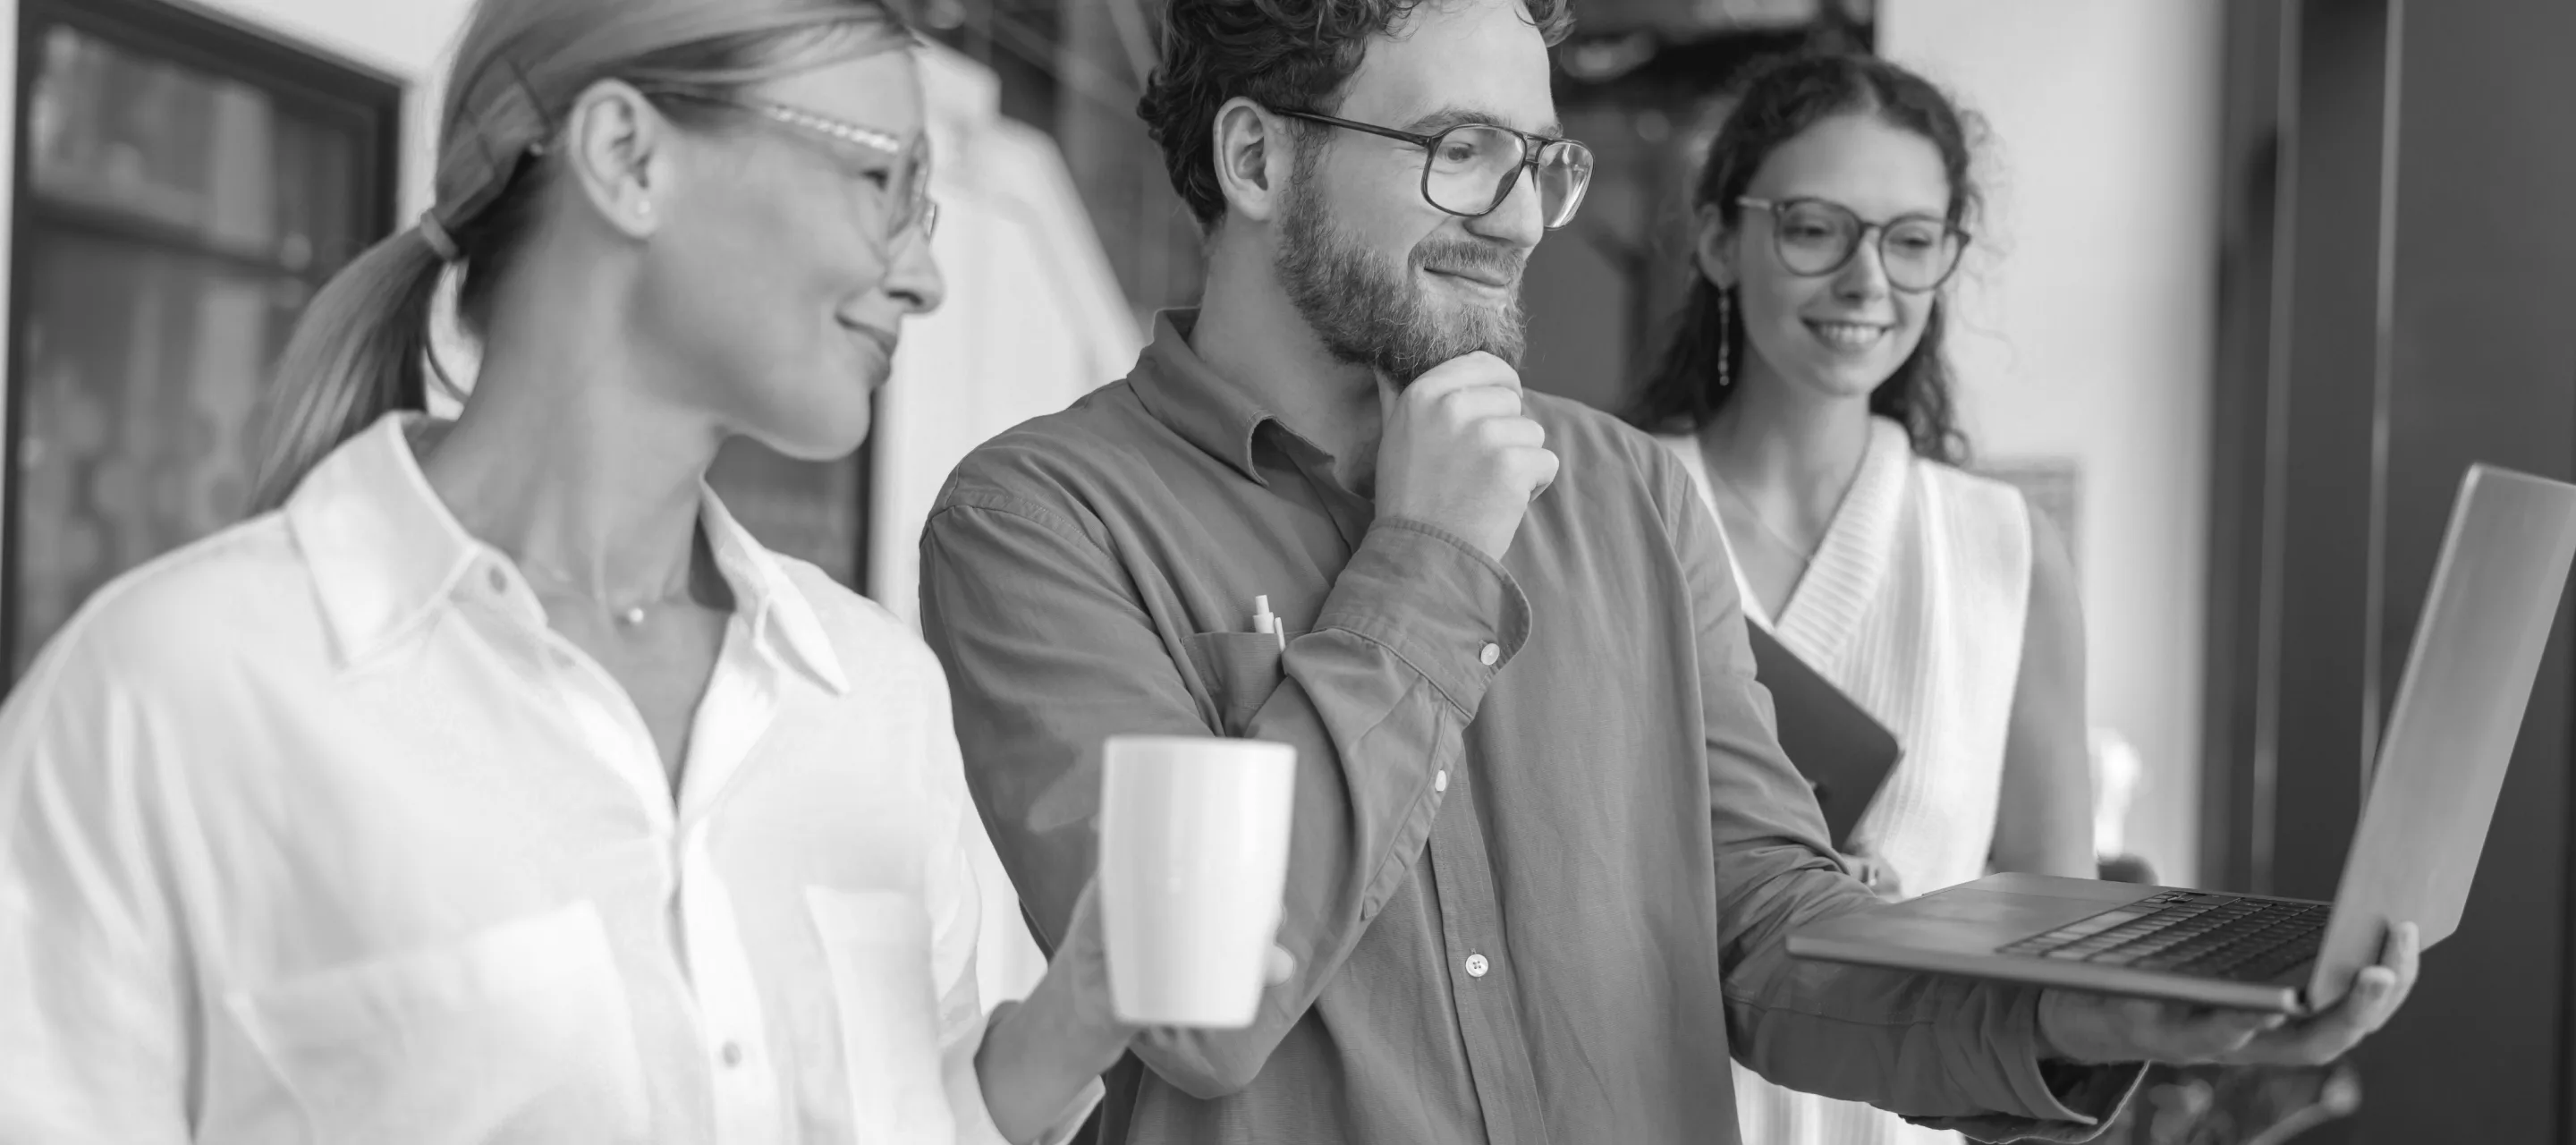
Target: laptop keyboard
[{"x": 2189, "y": 932}]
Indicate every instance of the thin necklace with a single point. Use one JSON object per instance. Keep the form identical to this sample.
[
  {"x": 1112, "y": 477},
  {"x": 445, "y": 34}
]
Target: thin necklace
[
  {"x": 627, "y": 615},
  {"x": 1793, "y": 548}
]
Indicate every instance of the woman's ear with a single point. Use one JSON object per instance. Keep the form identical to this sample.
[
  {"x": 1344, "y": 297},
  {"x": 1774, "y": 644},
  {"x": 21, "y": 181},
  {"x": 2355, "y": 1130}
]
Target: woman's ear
[
  {"x": 1714, "y": 251},
  {"x": 617, "y": 147}
]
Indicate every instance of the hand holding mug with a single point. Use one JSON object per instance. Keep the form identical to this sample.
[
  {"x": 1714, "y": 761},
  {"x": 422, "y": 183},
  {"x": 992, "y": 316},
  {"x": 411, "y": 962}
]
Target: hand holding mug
[{"x": 1193, "y": 865}]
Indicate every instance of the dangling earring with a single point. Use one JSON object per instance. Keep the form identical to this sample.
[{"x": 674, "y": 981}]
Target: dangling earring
[{"x": 1725, "y": 338}]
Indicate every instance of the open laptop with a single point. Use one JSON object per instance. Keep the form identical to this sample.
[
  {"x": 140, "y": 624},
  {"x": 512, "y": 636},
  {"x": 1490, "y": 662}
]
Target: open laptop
[{"x": 2441, "y": 765}]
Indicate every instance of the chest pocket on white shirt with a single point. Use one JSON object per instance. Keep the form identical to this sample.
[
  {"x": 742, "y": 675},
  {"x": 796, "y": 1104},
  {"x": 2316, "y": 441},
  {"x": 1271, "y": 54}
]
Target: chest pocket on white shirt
[
  {"x": 878, "y": 946},
  {"x": 520, "y": 1033}
]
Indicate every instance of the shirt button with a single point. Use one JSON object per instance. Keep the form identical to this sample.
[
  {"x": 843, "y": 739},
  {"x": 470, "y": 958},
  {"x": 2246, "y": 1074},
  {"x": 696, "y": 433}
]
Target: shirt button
[
  {"x": 1440, "y": 780},
  {"x": 731, "y": 1054},
  {"x": 1476, "y": 966},
  {"x": 1491, "y": 654},
  {"x": 500, "y": 583}
]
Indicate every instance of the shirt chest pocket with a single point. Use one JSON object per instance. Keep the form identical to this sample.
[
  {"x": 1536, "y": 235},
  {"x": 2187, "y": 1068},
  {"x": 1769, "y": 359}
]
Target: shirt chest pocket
[
  {"x": 1239, "y": 671},
  {"x": 885, "y": 990},
  {"x": 520, "y": 1033}
]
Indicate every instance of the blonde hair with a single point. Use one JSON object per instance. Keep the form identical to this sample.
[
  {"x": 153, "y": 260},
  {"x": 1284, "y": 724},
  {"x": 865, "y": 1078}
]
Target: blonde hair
[{"x": 361, "y": 349}]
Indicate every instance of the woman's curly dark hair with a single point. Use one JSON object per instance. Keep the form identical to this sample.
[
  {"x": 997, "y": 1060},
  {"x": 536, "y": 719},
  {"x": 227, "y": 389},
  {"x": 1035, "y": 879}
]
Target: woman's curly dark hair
[{"x": 1285, "y": 54}]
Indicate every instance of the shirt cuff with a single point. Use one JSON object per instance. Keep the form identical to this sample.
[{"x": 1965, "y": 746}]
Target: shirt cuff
[
  {"x": 1451, "y": 612},
  {"x": 2059, "y": 1101}
]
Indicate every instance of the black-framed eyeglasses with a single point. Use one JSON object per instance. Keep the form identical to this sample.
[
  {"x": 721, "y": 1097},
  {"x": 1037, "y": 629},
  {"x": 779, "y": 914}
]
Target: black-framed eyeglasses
[
  {"x": 1817, "y": 237},
  {"x": 903, "y": 179},
  {"x": 1470, "y": 169}
]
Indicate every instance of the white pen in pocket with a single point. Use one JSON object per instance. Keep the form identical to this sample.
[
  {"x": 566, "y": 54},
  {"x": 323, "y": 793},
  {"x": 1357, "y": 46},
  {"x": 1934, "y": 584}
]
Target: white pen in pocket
[{"x": 1264, "y": 622}]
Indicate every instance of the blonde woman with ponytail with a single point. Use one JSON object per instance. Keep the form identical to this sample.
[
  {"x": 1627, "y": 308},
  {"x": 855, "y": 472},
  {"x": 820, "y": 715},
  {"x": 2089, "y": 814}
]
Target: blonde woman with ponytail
[{"x": 490, "y": 783}]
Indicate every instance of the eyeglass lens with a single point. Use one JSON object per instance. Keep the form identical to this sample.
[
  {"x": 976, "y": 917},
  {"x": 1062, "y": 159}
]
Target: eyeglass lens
[
  {"x": 1472, "y": 168},
  {"x": 1819, "y": 238},
  {"x": 910, "y": 195}
]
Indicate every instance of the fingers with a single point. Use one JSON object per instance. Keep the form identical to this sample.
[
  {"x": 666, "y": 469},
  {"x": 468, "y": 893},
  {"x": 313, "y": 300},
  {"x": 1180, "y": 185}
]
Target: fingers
[
  {"x": 1475, "y": 368},
  {"x": 1464, "y": 406},
  {"x": 1513, "y": 433},
  {"x": 1471, "y": 371},
  {"x": 2377, "y": 993},
  {"x": 2181, "y": 1034},
  {"x": 1863, "y": 869},
  {"x": 2099, "y": 1029},
  {"x": 2198, "y": 1035},
  {"x": 1282, "y": 967},
  {"x": 1883, "y": 879},
  {"x": 1463, "y": 391},
  {"x": 1543, "y": 465},
  {"x": 1084, "y": 923},
  {"x": 2331, "y": 1035},
  {"x": 1494, "y": 414},
  {"x": 1874, "y": 872},
  {"x": 2403, "y": 954}
]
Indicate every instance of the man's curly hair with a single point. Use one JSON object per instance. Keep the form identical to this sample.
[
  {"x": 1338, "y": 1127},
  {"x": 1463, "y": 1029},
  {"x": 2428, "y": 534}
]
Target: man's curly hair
[{"x": 1290, "y": 55}]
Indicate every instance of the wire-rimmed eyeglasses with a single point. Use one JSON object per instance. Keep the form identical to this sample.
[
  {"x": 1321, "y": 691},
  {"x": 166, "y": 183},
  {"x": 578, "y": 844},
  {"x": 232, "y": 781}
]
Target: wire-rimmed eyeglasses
[{"x": 903, "y": 179}]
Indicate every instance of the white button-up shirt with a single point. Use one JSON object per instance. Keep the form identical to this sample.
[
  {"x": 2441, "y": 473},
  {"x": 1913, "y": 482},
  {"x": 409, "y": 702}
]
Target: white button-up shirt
[{"x": 314, "y": 831}]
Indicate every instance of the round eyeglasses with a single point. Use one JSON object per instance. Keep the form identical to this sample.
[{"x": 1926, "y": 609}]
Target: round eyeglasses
[
  {"x": 896, "y": 173},
  {"x": 1816, "y": 238},
  {"x": 1471, "y": 168}
]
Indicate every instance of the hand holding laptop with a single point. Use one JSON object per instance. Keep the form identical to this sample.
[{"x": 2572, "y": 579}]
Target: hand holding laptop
[
  {"x": 2100, "y": 1029},
  {"x": 2261, "y": 979}
]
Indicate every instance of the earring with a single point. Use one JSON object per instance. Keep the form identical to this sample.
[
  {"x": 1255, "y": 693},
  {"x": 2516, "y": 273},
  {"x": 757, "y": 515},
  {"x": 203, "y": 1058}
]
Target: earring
[{"x": 1725, "y": 338}]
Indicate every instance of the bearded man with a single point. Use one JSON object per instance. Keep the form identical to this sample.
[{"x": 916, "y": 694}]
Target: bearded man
[{"x": 1546, "y": 848}]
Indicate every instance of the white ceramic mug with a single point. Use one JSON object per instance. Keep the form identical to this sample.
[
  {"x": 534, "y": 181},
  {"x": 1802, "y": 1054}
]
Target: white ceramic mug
[{"x": 1193, "y": 863}]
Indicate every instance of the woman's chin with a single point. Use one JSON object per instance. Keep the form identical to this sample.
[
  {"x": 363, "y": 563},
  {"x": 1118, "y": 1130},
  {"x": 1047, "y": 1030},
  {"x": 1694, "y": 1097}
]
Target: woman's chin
[
  {"x": 822, "y": 436},
  {"x": 1841, "y": 383}
]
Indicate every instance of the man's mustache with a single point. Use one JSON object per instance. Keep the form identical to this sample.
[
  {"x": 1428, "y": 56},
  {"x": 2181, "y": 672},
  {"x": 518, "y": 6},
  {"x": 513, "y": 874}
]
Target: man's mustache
[{"x": 1481, "y": 261}]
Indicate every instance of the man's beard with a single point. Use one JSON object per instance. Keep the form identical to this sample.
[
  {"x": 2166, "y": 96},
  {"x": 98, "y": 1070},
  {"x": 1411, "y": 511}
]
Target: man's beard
[{"x": 1368, "y": 313}]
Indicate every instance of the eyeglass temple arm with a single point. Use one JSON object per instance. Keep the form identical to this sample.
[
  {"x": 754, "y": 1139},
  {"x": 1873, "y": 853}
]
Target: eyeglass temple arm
[{"x": 1371, "y": 128}]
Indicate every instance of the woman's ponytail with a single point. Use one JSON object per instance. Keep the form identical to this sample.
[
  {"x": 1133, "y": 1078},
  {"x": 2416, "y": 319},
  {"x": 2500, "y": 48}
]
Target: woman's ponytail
[{"x": 358, "y": 353}]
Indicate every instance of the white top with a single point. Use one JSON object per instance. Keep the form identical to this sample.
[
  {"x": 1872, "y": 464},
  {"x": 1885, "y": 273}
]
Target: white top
[
  {"x": 1914, "y": 606},
  {"x": 313, "y": 831}
]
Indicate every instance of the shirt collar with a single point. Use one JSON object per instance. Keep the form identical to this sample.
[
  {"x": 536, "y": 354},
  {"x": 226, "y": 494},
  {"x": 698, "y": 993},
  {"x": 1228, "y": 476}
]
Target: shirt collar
[
  {"x": 385, "y": 552},
  {"x": 1182, "y": 391},
  {"x": 381, "y": 546},
  {"x": 767, "y": 595}
]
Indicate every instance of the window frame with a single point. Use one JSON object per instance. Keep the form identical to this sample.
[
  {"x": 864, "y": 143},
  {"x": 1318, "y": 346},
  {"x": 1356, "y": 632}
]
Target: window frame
[{"x": 314, "y": 84}]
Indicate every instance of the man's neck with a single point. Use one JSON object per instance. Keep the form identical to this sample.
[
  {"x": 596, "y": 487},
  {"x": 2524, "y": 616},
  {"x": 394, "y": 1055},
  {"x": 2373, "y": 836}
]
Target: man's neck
[{"x": 1250, "y": 333}]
